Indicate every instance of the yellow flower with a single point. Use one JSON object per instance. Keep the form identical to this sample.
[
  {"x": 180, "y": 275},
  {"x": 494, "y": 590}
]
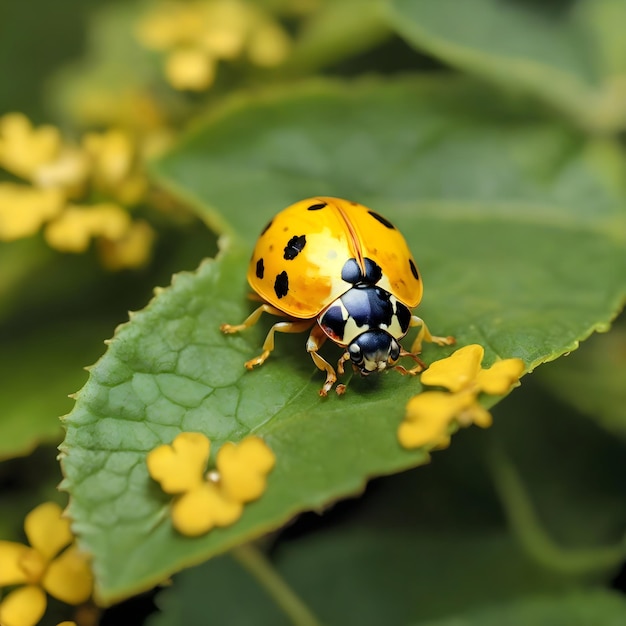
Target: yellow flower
[
  {"x": 23, "y": 149},
  {"x": 431, "y": 415},
  {"x": 52, "y": 563},
  {"x": 129, "y": 251},
  {"x": 73, "y": 230},
  {"x": 428, "y": 417},
  {"x": 190, "y": 68},
  {"x": 196, "y": 35},
  {"x": 202, "y": 502},
  {"x": 171, "y": 24},
  {"x": 112, "y": 154},
  {"x": 69, "y": 171},
  {"x": 462, "y": 370},
  {"x": 268, "y": 45},
  {"x": 24, "y": 209}
]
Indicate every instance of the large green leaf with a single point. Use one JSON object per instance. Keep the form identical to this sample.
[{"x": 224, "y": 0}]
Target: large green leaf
[
  {"x": 571, "y": 54},
  {"x": 509, "y": 217}
]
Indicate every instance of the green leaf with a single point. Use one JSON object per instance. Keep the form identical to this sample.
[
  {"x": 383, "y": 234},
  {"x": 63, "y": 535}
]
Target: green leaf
[
  {"x": 487, "y": 197},
  {"x": 570, "y": 54},
  {"x": 588, "y": 608},
  {"x": 592, "y": 379}
]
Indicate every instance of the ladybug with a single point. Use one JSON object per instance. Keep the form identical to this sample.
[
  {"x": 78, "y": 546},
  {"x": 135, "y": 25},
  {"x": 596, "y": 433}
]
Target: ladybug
[{"x": 345, "y": 271}]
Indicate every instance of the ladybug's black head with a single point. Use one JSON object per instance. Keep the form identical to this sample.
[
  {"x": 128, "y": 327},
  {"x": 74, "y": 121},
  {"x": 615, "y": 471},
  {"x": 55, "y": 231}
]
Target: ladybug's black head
[{"x": 374, "y": 351}]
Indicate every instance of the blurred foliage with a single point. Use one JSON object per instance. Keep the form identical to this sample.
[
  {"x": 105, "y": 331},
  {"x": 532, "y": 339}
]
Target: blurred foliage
[{"x": 489, "y": 131}]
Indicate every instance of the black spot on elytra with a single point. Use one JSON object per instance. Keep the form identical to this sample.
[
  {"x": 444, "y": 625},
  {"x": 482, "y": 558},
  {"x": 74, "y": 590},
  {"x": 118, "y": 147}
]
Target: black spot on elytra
[
  {"x": 351, "y": 272},
  {"x": 294, "y": 247},
  {"x": 382, "y": 220},
  {"x": 266, "y": 227},
  {"x": 317, "y": 207},
  {"x": 414, "y": 270},
  {"x": 281, "y": 285},
  {"x": 260, "y": 269}
]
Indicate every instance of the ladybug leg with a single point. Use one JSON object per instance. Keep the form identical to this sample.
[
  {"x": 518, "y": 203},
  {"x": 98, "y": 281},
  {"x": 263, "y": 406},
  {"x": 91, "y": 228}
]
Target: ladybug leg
[
  {"x": 344, "y": 357},
  {"x": 268, "y": 344},
  {"x": 420, "y": 367},
  {"x": 424, "y": 335},
  {"x": 251, "y": 320},
  {"x": 314, "y": 343}
]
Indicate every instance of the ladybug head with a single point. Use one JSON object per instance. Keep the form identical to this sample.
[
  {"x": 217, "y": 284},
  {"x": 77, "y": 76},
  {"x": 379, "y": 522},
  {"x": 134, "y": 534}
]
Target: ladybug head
[{"x": 374, "y": 351}]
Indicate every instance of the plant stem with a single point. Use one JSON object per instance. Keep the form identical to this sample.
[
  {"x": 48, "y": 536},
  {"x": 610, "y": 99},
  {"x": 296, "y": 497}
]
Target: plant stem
[
  {"x": 535, "y": 539},
  {"x": 253, "y": 560}
]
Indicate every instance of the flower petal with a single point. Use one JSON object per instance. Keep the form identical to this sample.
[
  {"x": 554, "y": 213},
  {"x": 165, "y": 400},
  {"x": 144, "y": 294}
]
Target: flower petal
[
  {"x": 190, "y": 68},
  {"x": 11, "y": 554},
  {"x": 428, "y": 417},
  {"x": 243, "y": 468},
  {"x": 24, "y": 606},
  {"x": 24, "y": 209},
  {"x": 69, "y": 577},
  {"x": 73, "y": 230},
  {"x": 180, "y": 467},
  {"x": 475, "y": 414},
  {"x": 198, "y": 511},
  {"x": 456, "y": 371},
  {"x": 500, "y": 376},
  {"x": 47, "y": 531}
]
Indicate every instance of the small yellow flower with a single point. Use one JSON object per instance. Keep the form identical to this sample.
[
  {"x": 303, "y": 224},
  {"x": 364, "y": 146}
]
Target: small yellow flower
[
  {"x": 190, "y": 68},
  {"x": 196, "y": 35},
  {"x": 24, "y": 209},
  {"x": 201, "y": 501},
  {"x": 268, "y": 45},
  {"x": 51, "y": 564},
  {"x": 431, "y": 415},
  {"x": 23, "y": 149},
  {"x": 112, "y": 154},
  {"x": 69, "y": 171},
  {"x": 132, "y": 250},
  {"x": 73, "y": 230}
]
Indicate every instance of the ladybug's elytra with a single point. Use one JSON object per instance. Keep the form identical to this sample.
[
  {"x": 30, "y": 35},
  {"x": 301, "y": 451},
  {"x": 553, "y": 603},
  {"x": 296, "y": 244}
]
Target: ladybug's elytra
[{"x": 346, "y": 271}]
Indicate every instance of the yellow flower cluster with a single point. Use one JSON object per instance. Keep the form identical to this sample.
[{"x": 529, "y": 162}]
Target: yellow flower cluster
[
  {"x": 203, "y": 501},
  {"x": 198, "y": 35},
  {"x": 52, "y": 563},
  {"x": 58, "y": 177},
  {"x": 430, "y": 414}
]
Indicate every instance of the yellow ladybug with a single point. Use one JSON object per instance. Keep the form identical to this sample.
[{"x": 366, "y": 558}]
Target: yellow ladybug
[{"x": 345, "y": 271}]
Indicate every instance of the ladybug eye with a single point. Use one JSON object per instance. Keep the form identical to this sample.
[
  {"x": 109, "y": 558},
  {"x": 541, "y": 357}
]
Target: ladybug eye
[{"x": 355, "y": 351}]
